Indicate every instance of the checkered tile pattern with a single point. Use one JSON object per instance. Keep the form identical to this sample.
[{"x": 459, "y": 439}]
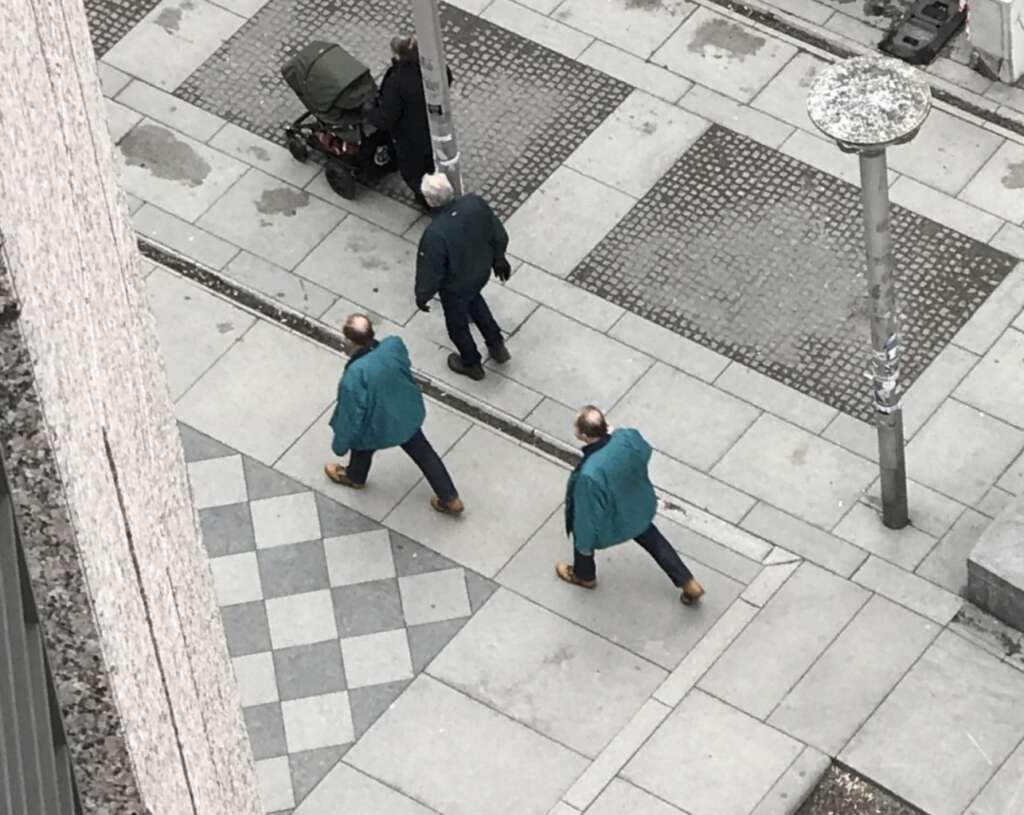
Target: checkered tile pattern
[{"x": 328, "y": 615}]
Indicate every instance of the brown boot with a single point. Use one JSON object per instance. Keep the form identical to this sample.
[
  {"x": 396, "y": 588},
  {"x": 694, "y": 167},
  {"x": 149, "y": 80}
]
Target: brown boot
[
  {"x": 453, "y": 507},
  {"x": 337, "y": 474},
  {"x": 692, "y": 592},
  {"x": 564, "y": 571}
]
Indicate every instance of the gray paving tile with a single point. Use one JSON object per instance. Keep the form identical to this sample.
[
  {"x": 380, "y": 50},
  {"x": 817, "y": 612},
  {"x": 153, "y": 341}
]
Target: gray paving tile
[
  {"x": 905, "y": 547},
  {"x": 317, "y": 721},
  {"x": 637, "y": 29},
  {"x": 285, "y": 519},
  {"x": 959, "y": 710},
  {"x": 635, "y": 71},
  {"x": 164, "y": 108},
  {"x": 345, "y": 789},
  {"x": 109, "y": 22},
  {"x": 996, "y": 384},
  {"x": 622, "y": 798},
  {"x": 525, "y": 661},
  {"x": 946, "y": 564},
  {"x": 275, "y": 784},
  {"x": 479, "y": 588},
  {"x": 359, "y": 558},
  {"x": 374, "y": 659},
  {"x": 427, "y": 640},
  {"x": 526, "y": 773},
  {"x": 181, "y": 237},
  {"x": 300, "y": 619},
  {"x": 198, "y": 446},
  {"x": 784, "y": 640},
  {"x": 309, "y": 767},
  {"x": 691, "y": 759},
  {"x": 264, "y": 482},
  {"x": 257, "y": 681},
  {"x": 236, "y": 579},
  {"x": 217, "y": 482},
  {"x": 798, "y": 781},
  {"x": 266, "y": 730},
  {"x": 414, "y": 558},
  {"x": 309, "y": 670},
  {"x": 988, "y": 190},
  {"x": 435, "y": 596},
  {"x": 369, "y": 702},
  {"x": 854, "y": 675},
  {"x": 909, "y": 590},
  {"x": 1002, "y": 795},
  {"x": 336, "y": 519},
  {"x": 366, "y": 608},
  {"x": 293, "y": 569},
  {"x": 227, "y": 530},
  {"x": 246, "y": 628}
]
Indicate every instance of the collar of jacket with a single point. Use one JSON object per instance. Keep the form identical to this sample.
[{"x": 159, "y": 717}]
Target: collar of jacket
[
  {"x": 362, "y": 352},
  {"x": 590, "y": 449},
  {"x": 444, "y": 210}
]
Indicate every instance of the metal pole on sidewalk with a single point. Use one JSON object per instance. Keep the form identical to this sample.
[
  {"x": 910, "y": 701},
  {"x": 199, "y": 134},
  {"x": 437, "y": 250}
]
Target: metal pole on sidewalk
[
  {"x": 867, "y": 104},
  {"x": 434, "y": 68}
]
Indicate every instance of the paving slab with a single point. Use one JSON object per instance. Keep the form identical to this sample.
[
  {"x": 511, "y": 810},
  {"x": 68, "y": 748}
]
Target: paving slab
[
  {"x": 946, "y": 564},
  {"x": 808, "y": 541},
  {"x": 943, "y": 208},
  {"x": 281, "y": 285},
  {"x": 669, "y": 347},
  {"x": 526, "y": 773},
  {"x": 996, "y": 384},
  {"x": 525, "y": 662},
  {"x": 781, "y": 400},
  {"x": 958, "y": 709},
  {"x": 1001, "y": 308},
  {"x": 825, "y": 156},
  {"x": 571, "y": 363},
  {"x": 930, "y": 511},
  {"x": 565, "y": 298},
  {"x": 393, "y": 473},
  {"x": 635, "y": 605},
  {"x": 909, "y": 590},
  {"x": 174, "y": 39},
  {"x": 657, "y": 133},
  {"x": 691, "y": 759},
  {"x": 182, "y": 237},
  {"x": 935, "y": 385},
  {"x": 345, "y": 789},
  {"x": 854, "y": 674},
  {"x": 366, "y": 265},
  {"x": 724, "y": 55},
  {"x": 784, "y": 640},
  {"x": 855, "y": 435},
  {"x": 371, "y": 205},
  {"x": 489, "y": 471},
  {"x": 785, "y": 97},
  {"x": 120, "y": 119},
  {"x": 905, "y": 547},
  {"x": 112, "y": 81},
  {"x": 622, "y": 798},
  {"x": 635, "y": 71},
  {"x": 997, "y": 187},
  {"x": 796, "y": 783},
  {"x": 962, "y": 452},
  {"x": 271, "y": 219},
  {"x": 946, "y": 153},
  {"x": 265, "y": 155},
  {"x": 1004, "y": 793},
  {"x": 795, "y": 471},
  {"x": 696, "y": 488},
  {"x": 536, "y": 27},
  {"x": 637, "y": 28},
  {"x": 164, "y": 108},
  {"x": 174, "y": 172},
  {"x": 194, "y": 325},
  {"x": 684, "y": 417},
  {"x": 737, "y": 116},
  {"x": 560, "y": 222},
  {"x": 263, "y": 393}
]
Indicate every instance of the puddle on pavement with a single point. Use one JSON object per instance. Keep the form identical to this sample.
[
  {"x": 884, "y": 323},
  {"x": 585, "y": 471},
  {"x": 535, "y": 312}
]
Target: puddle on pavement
[
  {"x": 282, "y": 201},
  {"x": 724, "y": 35},
  {"x": 164, "y": 155},
  {"x": 1014, "y": 179}
]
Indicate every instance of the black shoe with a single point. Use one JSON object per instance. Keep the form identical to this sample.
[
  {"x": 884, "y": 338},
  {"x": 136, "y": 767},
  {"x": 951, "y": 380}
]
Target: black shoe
[
  {"x": 474, "y": 372},
  {"x": 499, "y": 353}
]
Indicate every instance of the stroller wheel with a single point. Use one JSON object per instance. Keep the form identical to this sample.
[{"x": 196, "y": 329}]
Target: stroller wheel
[
  {"x": 341, "y": 180},
  {"x": 297, "y": 147}
]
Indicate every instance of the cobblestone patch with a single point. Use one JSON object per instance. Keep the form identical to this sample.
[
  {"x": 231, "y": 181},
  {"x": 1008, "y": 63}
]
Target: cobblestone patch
[
  {"x": 760, "y": 257},
  {"x": 520, "y": 108},
  {"x": 110, "y": 20},
  {"x": 841, "y": 792}
]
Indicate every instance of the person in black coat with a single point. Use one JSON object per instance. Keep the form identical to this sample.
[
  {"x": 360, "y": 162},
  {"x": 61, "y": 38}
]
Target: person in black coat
[{"x": 401, "y": 110}]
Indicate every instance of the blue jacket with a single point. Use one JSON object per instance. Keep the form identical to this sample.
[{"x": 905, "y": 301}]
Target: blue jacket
[
  {"x": 379, "y": 403},
  {"x": 609, "y": 498}
]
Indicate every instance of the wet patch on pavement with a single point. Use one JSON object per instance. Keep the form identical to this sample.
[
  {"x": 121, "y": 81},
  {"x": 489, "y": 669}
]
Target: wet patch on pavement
[{"x": 164, "y": 155}]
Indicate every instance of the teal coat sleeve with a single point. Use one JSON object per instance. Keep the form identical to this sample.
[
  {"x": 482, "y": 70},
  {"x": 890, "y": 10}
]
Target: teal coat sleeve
[
  {"x": 588, "y": 508},
  {"x": 349, "y": 414}
]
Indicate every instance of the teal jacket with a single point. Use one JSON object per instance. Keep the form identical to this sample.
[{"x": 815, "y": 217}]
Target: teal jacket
[
  {"x": 609, "y": 498},
  {"x": 379, "y": 403}
]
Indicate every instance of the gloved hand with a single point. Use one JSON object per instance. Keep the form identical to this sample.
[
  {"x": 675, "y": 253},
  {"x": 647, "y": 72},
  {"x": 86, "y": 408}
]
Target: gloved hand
[
  {"x": 502, "y": 270},
  {"x": 423, "y": 306}
]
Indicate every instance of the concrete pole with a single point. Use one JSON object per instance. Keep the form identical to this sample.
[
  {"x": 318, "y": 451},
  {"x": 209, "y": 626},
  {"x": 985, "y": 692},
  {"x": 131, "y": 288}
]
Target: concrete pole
[
  {"x": 885, "y": 339},
  {"x": 867, "y": 104},
  {"x": 435, "y": 88}
]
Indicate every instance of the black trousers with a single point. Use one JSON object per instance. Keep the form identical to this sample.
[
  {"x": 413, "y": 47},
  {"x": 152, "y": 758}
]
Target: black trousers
[
  {"x": 412, "y": 169},
  {"x": 656, "y": 545},
  {"x": 459, "y": 310},
  {"x": 421, "y": 452}
]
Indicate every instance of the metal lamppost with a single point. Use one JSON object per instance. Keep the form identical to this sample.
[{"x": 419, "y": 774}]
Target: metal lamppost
[
  {"x": 867, "y": 104},
  {"x": 434, "y": 68}
]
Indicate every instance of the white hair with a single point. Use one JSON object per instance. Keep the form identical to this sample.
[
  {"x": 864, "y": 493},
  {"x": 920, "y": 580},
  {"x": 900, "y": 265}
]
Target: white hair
[{"x": 437, "y": 189}]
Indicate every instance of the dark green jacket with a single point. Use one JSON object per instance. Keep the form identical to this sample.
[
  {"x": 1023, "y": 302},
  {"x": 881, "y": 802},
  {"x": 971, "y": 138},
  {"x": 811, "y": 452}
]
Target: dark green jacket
[
  {"x": 379, "y": 403},
  {"x": 458, "y": 248},
  {"x": 609, "y": 498}
]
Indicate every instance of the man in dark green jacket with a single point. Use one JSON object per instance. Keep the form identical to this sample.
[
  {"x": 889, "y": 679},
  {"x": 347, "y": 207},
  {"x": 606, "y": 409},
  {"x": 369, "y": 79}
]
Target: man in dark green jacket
[
  {"x": 609, "y": 499},
  {"x": 462, "y": 244},
  {"x": 379, "y": 406}
]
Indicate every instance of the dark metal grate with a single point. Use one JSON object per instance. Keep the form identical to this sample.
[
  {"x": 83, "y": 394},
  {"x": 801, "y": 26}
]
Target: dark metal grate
[{"x": 760, "y": 257}]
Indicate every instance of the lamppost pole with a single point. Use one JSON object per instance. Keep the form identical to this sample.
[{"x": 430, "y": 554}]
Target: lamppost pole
[
  {"x": 434, "y": 68},
  {"x": 867, "y": 104}
]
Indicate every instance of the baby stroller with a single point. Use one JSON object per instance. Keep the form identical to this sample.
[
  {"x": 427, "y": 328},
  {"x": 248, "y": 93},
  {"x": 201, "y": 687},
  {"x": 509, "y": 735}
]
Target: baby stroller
[{"x": 334, "y": 86}]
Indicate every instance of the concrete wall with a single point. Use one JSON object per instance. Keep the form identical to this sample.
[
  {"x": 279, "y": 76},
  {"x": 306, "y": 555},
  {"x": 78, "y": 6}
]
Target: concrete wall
[{"x": 132, "y": 628}]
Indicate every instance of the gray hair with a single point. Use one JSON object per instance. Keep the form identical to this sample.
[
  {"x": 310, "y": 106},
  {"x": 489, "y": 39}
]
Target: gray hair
[{"x": 437, "y": 189}]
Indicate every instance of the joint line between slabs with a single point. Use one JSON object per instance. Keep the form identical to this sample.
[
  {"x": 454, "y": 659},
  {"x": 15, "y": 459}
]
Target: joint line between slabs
[
  {"x": 997, "y": 768},
  {"x": 344, "y": 760}
]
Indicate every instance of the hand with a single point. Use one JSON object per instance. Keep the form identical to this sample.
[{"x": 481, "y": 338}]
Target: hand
[
  {"x": 502, "y": 270},
  {"x": 423, "y": 306}
]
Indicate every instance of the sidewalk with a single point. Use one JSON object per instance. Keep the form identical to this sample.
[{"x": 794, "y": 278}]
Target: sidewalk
[{"x": 641, "y": 197}]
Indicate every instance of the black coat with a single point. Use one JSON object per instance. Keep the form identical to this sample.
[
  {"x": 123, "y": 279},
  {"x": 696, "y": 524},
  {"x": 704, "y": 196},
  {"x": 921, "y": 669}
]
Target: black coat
[{"x": 401, "y": 110}]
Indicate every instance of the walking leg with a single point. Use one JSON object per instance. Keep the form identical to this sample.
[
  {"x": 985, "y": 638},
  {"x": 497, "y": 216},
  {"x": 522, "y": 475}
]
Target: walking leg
[
  {"x": 658, "y": 547},
  {"x": 480, "y": 314},
  {"x": 426, "y": 458},
  {"x": 456, "y": 320}
]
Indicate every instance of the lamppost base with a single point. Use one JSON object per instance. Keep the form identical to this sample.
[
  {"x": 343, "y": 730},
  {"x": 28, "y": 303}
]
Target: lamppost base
[{"x": 892, "y": 469}]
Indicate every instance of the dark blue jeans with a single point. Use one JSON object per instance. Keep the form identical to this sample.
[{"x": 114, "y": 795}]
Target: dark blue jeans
[
  {"x": 656, "y": 545},
  {"x": 459, "y": 310},
  {"x": 421, "y": 452}
]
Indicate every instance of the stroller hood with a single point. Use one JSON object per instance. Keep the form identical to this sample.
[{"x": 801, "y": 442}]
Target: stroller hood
[{"x": 328, "y": 79}]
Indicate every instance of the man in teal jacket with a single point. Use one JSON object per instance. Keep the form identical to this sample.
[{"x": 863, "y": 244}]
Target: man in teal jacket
[
  {"x": 380, "y": 406},
  {"x": 609, "y": 499}
]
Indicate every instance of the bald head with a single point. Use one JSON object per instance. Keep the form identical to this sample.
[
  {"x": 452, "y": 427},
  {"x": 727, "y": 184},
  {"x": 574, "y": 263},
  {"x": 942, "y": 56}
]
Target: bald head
[
  {"x": 358, "y": 330},
  {"x": 591, "y": 424}
]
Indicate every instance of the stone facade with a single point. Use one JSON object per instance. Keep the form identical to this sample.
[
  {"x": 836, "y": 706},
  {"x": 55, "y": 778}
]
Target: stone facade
[{"x": 87, "y": 433}]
